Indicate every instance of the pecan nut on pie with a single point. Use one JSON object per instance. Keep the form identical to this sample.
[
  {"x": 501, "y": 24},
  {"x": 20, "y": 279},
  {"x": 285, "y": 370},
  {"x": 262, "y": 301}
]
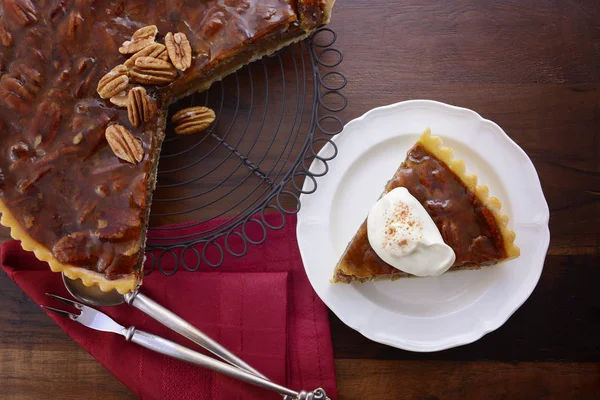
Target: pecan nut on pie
[
  {"x": 84, "y": 91},
  {"x": 469, "y": 220}
]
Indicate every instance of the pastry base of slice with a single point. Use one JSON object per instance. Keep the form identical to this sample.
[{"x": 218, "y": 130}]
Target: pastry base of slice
[{"x": 470, "y": 221}]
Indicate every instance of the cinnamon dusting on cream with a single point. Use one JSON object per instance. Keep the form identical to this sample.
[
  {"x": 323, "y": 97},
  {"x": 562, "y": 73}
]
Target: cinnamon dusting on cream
[{"x": 403, "y": 235}]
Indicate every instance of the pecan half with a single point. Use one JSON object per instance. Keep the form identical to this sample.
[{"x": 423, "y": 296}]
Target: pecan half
[
  {"x": 75, "y": 249},
  {"x": 120, "y": 100},
  {"x": 5, "y": 36},
  {"x": 213, "y": 21},
  {"x": 85, "y": 210},
  {"x": 75, "y": 21},
  {"x": 483, "y": 248},
  {"x": 23, "y": 10},
  {"x": 18, "y": 88},
  {"x": 450, "y": 233},
  {"x": 156, "y": 50},
  {"x": 140, "y": 39},
  {"x": 152, "y": 71},
  {"x": 139, "y": 107},
  {"x": 90, "y": 74},
  {"x": 192, "y": 120},
  {"x": 113, "y": 83},
  {"x": 59, "y": 11},
  {"x": 14, "y": 94},
  {"x": 125, "y": 146},
  {"x": 123, "y": 225},
  {"x": 46, "y": 121},
  {"x": 179, "y": 49}
]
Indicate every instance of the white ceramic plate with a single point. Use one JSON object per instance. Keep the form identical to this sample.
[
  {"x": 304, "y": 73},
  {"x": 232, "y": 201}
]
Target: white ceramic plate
[{"x": 424, "y": 314}]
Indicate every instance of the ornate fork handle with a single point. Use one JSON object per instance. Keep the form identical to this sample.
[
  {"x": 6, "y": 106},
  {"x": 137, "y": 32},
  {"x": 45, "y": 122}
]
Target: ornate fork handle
[{"x": 317, "y": 394}]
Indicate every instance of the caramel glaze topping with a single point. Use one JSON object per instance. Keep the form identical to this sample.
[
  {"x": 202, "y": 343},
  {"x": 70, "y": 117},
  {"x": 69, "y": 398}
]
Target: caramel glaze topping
[
  {"x": 465, "y": 223},
  {"x": 58, "y": 176}
]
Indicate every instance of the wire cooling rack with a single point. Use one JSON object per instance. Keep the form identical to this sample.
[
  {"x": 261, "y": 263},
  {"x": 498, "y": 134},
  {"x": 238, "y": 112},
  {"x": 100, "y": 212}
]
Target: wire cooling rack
[{"x": 273, "y": 116}]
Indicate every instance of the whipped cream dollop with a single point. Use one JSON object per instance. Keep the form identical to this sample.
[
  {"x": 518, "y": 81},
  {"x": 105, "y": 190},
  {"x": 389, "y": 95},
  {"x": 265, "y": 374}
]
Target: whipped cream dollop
[{"x": 403, "y": 235}]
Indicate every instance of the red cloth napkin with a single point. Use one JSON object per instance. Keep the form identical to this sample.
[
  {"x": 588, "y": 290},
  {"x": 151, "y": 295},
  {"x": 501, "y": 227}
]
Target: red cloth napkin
[{"x": 260, "y": 306}]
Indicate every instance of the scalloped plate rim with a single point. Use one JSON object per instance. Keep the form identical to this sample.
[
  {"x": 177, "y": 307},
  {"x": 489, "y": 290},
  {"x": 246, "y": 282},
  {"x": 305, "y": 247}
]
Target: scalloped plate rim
[{"x": 484, "y": 326}]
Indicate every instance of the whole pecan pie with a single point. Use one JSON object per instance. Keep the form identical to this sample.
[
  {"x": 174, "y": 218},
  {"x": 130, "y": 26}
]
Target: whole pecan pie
[
  {"x": 84, "y": 91},
  {"x": 469, "y": 220}
]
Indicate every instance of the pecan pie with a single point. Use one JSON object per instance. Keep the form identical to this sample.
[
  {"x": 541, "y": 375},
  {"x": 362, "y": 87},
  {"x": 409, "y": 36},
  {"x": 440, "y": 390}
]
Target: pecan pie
[
  {"x": 469, "y": 221},
  {"x": 84, "y": 91}
]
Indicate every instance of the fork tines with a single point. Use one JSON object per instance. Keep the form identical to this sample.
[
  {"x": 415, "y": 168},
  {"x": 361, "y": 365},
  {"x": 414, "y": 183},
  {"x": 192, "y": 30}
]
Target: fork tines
[
  {"x": 62, "y": 313},
  {"x": 72, "y": 303}
]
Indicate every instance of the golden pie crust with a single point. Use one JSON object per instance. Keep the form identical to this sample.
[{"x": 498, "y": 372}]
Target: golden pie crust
[
  {"x": 434, "y": 145},
  {"x": 89, "y": 278}
]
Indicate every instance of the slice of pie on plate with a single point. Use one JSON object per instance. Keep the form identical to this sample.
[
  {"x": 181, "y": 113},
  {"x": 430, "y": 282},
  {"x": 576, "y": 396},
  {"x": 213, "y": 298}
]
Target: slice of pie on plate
[
  {"x": 84, "y": 91},
  {"x": 469, "y": 220}
]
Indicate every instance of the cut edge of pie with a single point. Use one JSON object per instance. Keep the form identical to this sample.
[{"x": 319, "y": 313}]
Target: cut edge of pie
[
  {"x": 434, "y": 145},
  {"x": 123, "y": 285}
]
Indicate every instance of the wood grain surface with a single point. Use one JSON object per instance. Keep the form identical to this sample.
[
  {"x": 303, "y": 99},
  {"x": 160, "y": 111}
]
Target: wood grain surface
[{"x": 533, "y": 67}]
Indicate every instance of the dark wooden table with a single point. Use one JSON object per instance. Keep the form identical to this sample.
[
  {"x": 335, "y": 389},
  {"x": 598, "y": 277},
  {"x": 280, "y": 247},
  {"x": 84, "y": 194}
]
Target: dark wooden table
[{"x": 532, "y": 67}]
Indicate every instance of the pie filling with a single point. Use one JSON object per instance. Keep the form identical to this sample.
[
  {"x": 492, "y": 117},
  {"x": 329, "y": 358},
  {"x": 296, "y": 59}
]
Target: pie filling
[
  {"x": 64, "y": 188},
  {"x": 470, "y": 223}
]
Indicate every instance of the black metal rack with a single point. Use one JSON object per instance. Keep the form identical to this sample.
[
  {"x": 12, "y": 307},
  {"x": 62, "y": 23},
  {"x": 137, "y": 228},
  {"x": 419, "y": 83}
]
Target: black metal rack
[{"x": 273, "y": 117}]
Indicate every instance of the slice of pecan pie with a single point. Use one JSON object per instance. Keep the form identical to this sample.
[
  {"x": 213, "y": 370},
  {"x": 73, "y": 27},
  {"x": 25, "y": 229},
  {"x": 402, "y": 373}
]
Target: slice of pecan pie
[
  {"x": 469, "y": 221},
  {"x": 84, "y": 91}
]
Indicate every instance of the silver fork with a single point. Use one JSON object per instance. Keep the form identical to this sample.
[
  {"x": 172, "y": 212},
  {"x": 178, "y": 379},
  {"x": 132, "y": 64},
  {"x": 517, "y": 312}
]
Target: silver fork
[{"x": 99, "y": 321}]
